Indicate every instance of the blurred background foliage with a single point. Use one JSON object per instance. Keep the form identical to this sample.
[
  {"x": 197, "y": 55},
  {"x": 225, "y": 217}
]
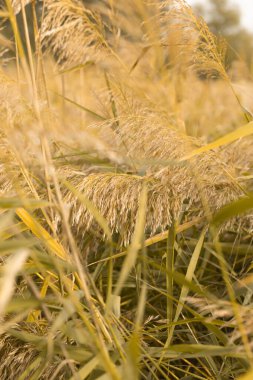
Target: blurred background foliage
[{"x": 223, "y": 19}]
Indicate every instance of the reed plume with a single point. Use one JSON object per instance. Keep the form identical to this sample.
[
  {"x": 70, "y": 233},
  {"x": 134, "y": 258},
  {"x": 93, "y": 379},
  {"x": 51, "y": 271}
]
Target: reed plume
[
  {"x": 73, "y": 33},
  {"x": 117, "y": 199},
  {"x": 223, "y": 309},
  {"x": 193, "y": 43},
  {"x": 17, "y": 356},
  {"x": 174, "y": 186}
]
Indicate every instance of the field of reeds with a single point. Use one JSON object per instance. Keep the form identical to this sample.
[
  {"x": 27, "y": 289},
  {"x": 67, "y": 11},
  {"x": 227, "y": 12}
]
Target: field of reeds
[{"x": 126, "y": 194}]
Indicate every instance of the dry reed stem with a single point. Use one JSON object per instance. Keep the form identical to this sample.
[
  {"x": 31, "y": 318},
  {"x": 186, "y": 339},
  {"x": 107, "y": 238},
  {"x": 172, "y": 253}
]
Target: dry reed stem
[{"x": 17, "y": 5}]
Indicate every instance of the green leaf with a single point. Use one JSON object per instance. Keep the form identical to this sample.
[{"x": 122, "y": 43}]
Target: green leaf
[
  {"x": 93, "y": 113},
  {"x": 10, "y": 246},
  {"x": 86, "y": 370}
]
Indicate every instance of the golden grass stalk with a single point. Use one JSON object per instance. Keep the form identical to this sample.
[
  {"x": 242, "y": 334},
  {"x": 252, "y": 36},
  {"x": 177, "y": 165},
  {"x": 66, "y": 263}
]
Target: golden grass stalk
[{"x": 17, "y": 5}]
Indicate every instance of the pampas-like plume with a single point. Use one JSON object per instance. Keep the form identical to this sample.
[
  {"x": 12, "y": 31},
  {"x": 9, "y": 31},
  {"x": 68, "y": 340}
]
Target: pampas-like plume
[
  {"x": 72, "y": 32},
  {"x": 191, "y": 40},
  {"x": 78, "y": 33},
  {"x": 16, "y": 356},
  {"x": 117, "y": 199},
  {"x": 174, "y": 187}
]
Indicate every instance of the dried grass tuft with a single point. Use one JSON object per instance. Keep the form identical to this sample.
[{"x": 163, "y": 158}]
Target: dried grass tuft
[
  {"x": 17, "y": 355},
  {"x": 192, "y": 42},
  {"x": 73, "y": 33},
  {"x": 224, "y": 309},
  {"x": 116, "y": 196},
  {"x": 199, "y": 186}
]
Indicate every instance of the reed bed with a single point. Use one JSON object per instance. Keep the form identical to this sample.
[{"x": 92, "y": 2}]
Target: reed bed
[{"x": 126, "y": 195}]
